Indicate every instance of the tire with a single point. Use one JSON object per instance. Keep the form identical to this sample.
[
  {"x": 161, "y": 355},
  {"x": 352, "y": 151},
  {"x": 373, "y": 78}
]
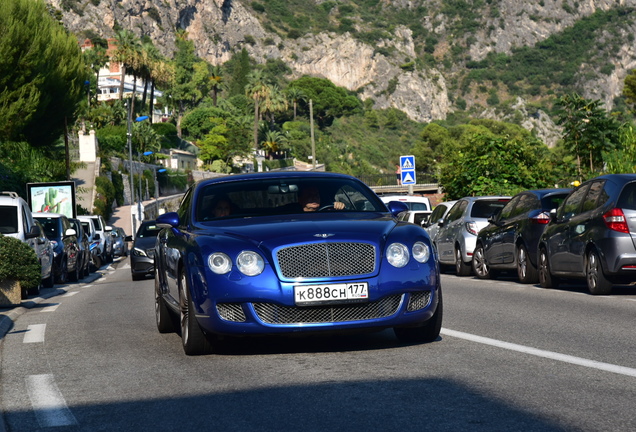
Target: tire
[
  {"x": 192, "y": 337},
  {"x": 546, "y": 280},
  {"x": 97, "y": 262},
  {"x": 165, "y": 319},
  {"x": 62, "y": 278},
  {"x": 527, "y": 272},
  {"x": 597, "y": 283},
  {"x": 428, "y": 332},
  {"x": 480, "y": 266},
  {"x": 461, "y": 268}
]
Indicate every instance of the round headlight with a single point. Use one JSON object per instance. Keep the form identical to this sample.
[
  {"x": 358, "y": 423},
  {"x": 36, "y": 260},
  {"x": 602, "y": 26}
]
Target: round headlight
[
  {"x": 421, "y": 252},
  {"x": 397, "y": 254},
  {"x": 250, "y": 263},
  {"x": 220, "y": 263}
]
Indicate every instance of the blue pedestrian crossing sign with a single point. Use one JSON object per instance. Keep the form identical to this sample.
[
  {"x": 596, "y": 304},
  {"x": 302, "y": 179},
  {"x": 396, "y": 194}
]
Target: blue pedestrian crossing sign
[{"x": 407, "y": 167}]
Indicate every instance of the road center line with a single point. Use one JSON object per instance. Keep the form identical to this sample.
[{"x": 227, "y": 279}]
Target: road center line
[
  {"x": 48, "y": 403},
  {"x": 608, "y": 367},
  {"x": 34, "y": 333}
]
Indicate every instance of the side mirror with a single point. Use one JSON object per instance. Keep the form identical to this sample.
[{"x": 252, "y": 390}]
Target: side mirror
[
  {"x": 70, "y": 232},
  {"x": 553, "y": 216},
  {"x": 397, "y": 207},
  {"x": 33, "y": 233},
  {"x": 108, "y": 228},
  {"x": 168, "y": 220},
  {"x": 128, "y": 238},
  {"x": 440, "y": 222}
]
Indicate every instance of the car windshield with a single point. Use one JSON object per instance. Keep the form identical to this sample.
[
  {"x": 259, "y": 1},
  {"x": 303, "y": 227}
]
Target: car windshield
[
  {"x": 8, "y": 219},
  {"x": 148, "y": 230},
  {"x": 51, "y": 227},
  {"x": 486, "y": 208},
  {"x": 284, "y": 196}
]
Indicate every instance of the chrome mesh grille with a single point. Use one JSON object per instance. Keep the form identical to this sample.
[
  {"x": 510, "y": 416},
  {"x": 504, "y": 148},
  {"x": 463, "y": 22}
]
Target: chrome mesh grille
[
  {"x": 231, "y": 312},
  {"x": 418, "y": 300},
  {"x": 275, "y": 314},
  {"x": 326, "y": 259}
]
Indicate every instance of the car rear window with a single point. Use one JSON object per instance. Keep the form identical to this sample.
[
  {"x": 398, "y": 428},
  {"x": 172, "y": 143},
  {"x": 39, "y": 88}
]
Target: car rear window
[
  {"x": 487, "y": 208},
  {"x": 8, "y": 219},
  {"x": 149, "y": 231},
  {"x": 553, "y": 201},
  {"x": 627, "y": 200},
  {"x": 51, "y": 227}
]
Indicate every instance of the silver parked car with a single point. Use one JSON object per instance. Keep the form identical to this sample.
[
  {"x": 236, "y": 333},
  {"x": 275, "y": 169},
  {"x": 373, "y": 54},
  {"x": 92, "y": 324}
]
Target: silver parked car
[
  {"x": 457, "y": 231},
  {"x": 592, "y": 235},
  {"x": 438, "y": 214}
]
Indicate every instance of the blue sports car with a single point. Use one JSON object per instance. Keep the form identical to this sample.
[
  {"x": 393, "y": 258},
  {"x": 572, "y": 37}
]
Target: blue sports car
[{"x": 292, "y": 252}]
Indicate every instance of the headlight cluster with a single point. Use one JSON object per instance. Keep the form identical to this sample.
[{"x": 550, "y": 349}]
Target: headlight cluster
[
  {"x": 248, "y": 262},
  {"x": 398, "y": 253},
  {"x": 139, "y": 252}
]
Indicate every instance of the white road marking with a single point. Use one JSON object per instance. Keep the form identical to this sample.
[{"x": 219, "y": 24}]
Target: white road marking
[
  {"x": 51, "y": 308},
  {"x": 34, "y": 333},
  {"x": 607, "y": 367},
  {"x": 48, "y": 403},
  {"x": 70, "y": 294}
]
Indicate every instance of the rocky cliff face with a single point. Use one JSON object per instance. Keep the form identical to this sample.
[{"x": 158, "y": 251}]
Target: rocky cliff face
[{"x": 221, "y": 27}]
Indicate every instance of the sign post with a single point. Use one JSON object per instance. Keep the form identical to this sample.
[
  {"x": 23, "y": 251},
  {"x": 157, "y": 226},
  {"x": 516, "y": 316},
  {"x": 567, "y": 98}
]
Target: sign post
[{"x": 407, "y": 166}]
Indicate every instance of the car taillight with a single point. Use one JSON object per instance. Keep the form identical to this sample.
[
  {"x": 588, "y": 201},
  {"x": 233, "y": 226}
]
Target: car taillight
[
  {"x": 471, "y": 227},
  {"x": 541, "y": 218},
  {"x": 615, "y": 220}
]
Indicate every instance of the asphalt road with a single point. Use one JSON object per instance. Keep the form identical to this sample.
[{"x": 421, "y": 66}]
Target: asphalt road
[{"x": 511, "y": 357}]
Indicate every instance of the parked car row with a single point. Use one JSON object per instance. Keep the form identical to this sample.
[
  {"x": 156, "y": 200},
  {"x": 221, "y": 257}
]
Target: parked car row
[
  {"x": 67, "y": 248},
  {"x": 546, "y": 236}
]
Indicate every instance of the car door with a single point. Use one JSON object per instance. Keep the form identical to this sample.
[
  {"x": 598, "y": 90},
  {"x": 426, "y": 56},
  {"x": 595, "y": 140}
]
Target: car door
[
  {"x": 580, "y": 226},
  {"x": 445, "y": 238},
  {"x": 558, "y": 241},
  {"x": 494, "y": 247},
  {"x": 527, "y": 203}
]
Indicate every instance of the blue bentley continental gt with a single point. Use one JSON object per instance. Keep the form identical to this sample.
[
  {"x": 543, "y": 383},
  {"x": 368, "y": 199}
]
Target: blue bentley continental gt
[{"x": 292, "y": 252}]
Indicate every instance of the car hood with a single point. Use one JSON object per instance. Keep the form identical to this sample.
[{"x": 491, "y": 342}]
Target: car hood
[{"x": 272, "y": 232}]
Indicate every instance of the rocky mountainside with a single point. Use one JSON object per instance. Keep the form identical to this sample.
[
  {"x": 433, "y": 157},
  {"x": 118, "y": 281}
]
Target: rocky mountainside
[{"x": 414, "y": 57}]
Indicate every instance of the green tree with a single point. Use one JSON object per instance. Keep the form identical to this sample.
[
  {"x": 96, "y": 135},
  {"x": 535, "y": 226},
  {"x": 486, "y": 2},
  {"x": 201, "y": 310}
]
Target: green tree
[
  {"x": 623, "y": 160},
  {"x": 629, "y": 90},
  {"x": 190, "y": 84},
  {"x": 239, "y": 69},
  {"x": 216, "y": 82},
  {"x": 42, "y": 73},
  {"x": 493, "y": 165},
  {"x": 95, "y": 59},
  {"x": 127, "y": 54},
  {"x": 329, "y": 101},
  {"x": 588, "y": 129},
  {"x": 259, "y": 91}
]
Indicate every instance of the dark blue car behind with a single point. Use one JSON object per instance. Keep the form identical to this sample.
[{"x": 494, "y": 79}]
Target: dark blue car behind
[{"x": 510, "y": 241}]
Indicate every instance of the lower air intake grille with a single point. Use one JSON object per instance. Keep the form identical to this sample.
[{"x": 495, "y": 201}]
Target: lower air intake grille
[
  {"x": 231, "y": 312},
  {"x": 418, "y": 300},
  {"x": 275, "y": 314}
]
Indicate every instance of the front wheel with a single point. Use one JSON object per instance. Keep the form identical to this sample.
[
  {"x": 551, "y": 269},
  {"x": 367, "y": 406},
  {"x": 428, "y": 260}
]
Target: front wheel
[
  {"x": 461, "y": 268},
  {"x": 193, "y": 339},
  {"x": 427, "y": 332},
  {"x": 480, "y": 266},
  {"x": 165, "y": 320},
  {"x": 525, "y": 270},
  {"x": 597, "y": 283}
]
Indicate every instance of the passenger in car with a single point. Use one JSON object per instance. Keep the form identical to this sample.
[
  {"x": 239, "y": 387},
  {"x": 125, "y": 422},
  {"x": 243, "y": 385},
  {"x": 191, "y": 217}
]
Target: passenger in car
[
  {"x": 309, "y": 200},
  {"x": 222, "y": 207}
]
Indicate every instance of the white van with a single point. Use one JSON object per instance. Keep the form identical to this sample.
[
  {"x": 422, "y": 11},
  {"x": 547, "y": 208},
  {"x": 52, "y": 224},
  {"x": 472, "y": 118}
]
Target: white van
[{"x": 413, "y": 202}]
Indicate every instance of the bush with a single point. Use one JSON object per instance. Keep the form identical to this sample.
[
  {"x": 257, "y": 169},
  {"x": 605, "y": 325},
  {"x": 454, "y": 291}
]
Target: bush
[{"x": 19, "y": 262}]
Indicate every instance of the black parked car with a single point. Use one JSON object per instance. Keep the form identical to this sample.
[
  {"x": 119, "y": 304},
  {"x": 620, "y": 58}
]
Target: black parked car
[
  {"x": 592, "y": 235},
  {"x": 58, "y": 229},
  {"x": 510, "y": 240},
  {"x": 84, "y": 259},
  {"x": 143, "y": 250}
]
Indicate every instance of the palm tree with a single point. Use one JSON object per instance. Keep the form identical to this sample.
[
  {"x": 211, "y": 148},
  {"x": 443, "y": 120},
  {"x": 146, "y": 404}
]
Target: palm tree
[
  {"x": 275, "y": 102},
  {"x": 257, "y": 90},
  {"x": 96, "y": 58},
  {"x": 274, "y": 141},
  {"x": 216, "y": 79},
  {"x": 295, "y": 95},
  {"x": 126, "y": 54}
]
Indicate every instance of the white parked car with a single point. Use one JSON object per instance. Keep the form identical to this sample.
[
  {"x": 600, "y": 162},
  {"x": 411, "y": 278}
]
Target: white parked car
[
  {"x": 412, "y": 202},
  {"x": 417, "y": 217},
  {"x": 105, "y": 247}
]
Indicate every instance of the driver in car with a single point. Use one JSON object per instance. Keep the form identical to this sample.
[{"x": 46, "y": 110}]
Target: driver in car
[{"x": 309, "y": 200}]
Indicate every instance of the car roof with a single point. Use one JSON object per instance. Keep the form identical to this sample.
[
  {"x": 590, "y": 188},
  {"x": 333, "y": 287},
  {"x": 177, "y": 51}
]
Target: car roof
[
  {"x": 274, "y": 175},
  {"x": 49, "y": 215}
]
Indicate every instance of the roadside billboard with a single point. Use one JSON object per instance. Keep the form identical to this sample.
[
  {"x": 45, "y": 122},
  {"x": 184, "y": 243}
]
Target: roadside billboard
[{"x": 54, "y": 197}]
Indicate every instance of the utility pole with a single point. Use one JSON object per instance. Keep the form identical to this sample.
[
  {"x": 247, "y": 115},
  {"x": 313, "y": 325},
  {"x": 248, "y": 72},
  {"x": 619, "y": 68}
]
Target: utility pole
[
  {"x": 130, "y": 165},
  {"x": 313, "y": 142}
]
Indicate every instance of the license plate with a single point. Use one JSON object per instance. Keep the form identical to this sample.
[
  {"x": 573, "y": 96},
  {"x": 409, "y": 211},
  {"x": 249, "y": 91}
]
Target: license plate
[{"x": 331, "y": 293}]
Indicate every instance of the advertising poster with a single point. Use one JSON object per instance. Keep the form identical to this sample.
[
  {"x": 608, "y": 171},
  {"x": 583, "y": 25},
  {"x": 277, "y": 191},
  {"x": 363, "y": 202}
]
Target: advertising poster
[{"x": 58, "y": 197}]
